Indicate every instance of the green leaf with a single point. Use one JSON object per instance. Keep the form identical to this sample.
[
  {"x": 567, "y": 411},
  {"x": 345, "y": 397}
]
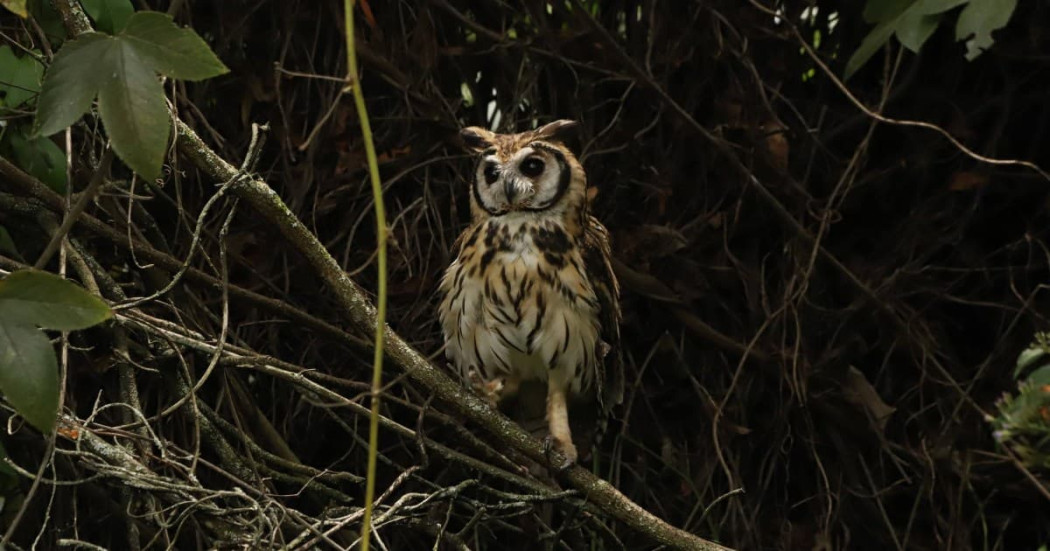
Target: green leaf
[
  {"x": 876, "y": 39},
  {"x": 879, "y": 11},
  {"x": 39, "y": 157},
  {"x": 19, "y": 77},
  {"x": 1040, "y": 377},
  {"x": 121, "y": 71},
  {"x": 914, "y": 28},
  {"x": 109, "y": 15},
  {"x": 31, "y": 297},
  {"x": 17, "y": 7},
  {"x": 71, "y": 82},
  {"x": 939, "y": 6},
  {"x": 170, "y": 50},
  {"x": 913, "y": 21},
  {"x": 131, "y": 104},
  {"x": 1027, "y": 358},
  {"x": 29, "y": 373},
  {"x": 977, "y": 22}
]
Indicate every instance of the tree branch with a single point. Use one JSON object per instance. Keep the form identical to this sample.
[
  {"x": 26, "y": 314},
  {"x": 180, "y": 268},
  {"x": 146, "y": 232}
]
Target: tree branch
[{"x": 362, "y": 315}]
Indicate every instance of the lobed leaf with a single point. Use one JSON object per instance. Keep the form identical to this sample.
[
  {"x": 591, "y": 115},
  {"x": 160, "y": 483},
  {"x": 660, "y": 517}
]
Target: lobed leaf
[
  {"x": 32, "y": 297},
  {"x": 133, "y": 109},
  {"x": 977, "y": 22},
  {"x": 913, "y": 21},
  {"x": 171, "y": 50},
  {"x": 29, "y": 373},
  {"x": 121, "y": 71},
  {"x": 71, "y": 83}
]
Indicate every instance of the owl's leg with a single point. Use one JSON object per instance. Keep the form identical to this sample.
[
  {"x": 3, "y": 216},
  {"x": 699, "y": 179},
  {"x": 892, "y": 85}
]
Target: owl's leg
[{"x": 558, "y": 421}]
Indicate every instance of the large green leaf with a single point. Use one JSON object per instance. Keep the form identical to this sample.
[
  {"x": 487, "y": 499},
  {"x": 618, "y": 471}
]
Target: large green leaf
[
  {"x": 915, "y": 27},
  {"x": 131, "y": 104},
  {"x": 37, "y": 156},
  {"x": 29, "y": 373},
  {"x": 171, "y": 50},
  {"x": 19, "y": 77},
  {"x": 131, "y": 99},
  {"x": 978, "y": 20},
  {"x": 913, "y": 21},
  {"x": 121, "y": 70},
  {"x": 31, "y": 297},
  {"x": 109, "y": 15},
  {"x": 879, "y": 11},
  {"x": 871, "y": 44},
  {"x": 71, "y": 82}
]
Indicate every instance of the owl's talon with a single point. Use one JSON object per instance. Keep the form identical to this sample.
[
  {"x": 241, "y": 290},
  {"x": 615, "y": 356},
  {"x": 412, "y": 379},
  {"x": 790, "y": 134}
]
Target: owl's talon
[
  {"x": 567, "y": 451},
  {"x": 490, "y": 391}
]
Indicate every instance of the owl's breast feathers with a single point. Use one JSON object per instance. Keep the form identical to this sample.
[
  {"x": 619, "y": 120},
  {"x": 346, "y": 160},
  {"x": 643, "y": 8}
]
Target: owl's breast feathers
[{"x": 525, "y": 298}]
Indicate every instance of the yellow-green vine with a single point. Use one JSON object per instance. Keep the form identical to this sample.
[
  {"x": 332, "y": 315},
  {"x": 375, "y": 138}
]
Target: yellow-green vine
[{"x": 377, "y": 194}]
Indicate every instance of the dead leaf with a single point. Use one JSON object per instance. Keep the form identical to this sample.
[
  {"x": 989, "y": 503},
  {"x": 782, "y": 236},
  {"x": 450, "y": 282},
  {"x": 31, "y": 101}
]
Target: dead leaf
[
  {"x": 860, "y": 392},
  {"x": 777, "y": 144}
]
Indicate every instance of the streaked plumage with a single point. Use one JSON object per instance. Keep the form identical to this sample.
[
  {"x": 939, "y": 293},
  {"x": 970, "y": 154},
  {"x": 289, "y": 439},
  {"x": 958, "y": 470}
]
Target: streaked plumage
[{"x": 531, "y": 295}]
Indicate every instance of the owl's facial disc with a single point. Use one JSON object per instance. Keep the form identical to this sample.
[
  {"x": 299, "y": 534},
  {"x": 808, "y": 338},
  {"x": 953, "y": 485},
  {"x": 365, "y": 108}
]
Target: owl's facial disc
[{"x": 532, "y": 179}]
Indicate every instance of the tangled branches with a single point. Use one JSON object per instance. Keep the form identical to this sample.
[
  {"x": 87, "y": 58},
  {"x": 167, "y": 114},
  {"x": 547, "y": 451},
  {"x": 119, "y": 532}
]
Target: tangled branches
[{"x": 821, "y": 303}]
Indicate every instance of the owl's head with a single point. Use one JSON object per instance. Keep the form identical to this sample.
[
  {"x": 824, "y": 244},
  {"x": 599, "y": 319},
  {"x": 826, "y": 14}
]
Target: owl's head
[{"x": 528, "y": 172}]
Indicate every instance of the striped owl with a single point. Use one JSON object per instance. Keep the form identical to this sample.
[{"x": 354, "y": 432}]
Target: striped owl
[{"x": 531, "y": 296}]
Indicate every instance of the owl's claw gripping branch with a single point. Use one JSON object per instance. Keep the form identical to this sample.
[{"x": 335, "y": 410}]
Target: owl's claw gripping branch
[{"x": 490, "y": 391}]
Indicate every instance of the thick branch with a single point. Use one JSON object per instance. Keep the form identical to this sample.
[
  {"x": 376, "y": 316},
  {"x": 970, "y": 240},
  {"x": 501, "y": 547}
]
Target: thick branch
[{"x": 361, "y": 314}]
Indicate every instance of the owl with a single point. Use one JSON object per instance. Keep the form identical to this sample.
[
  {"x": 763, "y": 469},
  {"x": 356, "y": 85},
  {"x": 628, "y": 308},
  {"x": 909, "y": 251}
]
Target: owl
[{"x": 531, "y": 298}]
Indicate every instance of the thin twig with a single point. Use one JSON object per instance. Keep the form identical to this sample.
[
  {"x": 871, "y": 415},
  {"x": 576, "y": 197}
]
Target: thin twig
[{"x": 71, "y": 217}]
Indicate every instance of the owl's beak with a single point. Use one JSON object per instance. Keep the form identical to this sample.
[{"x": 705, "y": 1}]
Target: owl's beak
[
  {"x": 510, "y": 190},
  {"x": 517, "y": 191}
]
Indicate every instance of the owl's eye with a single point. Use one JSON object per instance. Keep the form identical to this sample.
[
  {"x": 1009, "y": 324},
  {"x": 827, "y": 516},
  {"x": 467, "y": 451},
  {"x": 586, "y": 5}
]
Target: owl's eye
[
  {"x": 491, "y": 173},
  {"x": 532, "y": 167}
]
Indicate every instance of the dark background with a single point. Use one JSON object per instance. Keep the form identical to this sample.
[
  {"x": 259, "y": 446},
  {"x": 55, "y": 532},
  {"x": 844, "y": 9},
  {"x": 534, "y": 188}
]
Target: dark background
[{"x": 842, "y": 386}]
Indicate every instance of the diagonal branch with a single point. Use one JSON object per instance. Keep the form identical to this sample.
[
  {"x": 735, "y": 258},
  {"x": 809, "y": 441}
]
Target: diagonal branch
[{"x": 362, "y": 315}]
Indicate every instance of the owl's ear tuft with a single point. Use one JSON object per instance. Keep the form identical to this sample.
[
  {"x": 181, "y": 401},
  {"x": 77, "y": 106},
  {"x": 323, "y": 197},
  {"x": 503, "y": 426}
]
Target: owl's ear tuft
[
  {"x": 559, "y": 130},
  {"x": 476, "y": 138}
]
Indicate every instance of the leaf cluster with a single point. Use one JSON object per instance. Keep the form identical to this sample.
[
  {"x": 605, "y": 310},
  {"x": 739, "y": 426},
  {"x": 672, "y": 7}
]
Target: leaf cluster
[
  {"x": 121, "y": 71},
  {"x": 30, "y": 300},
  {"x": 913, "y": 21},
  {"x": 1023, "y": 420}
]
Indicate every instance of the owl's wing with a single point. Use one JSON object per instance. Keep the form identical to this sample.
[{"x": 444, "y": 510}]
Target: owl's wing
[
  {"x": 467, "y": 236},
  {"x": 597, "y": 258}
]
